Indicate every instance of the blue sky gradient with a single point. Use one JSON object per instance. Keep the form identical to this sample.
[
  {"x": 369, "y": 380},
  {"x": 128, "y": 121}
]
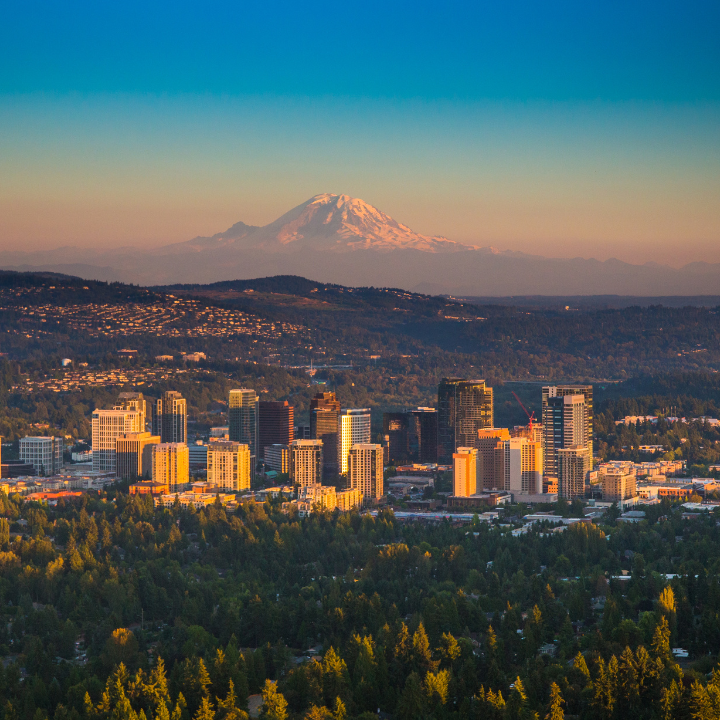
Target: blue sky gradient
[{"x": 562, "y": 128}]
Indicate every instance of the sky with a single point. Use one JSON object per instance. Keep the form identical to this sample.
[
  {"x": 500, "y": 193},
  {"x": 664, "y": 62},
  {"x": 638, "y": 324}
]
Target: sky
[{"x": 557, "y": 128}]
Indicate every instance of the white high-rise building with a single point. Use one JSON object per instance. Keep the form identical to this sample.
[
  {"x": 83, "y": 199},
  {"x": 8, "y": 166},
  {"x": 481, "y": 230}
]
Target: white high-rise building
[
  {"x": 306, "y": 462},
  {"x": 107, "y": 427},
  {"x": 353, "y": 429},
  {"x": 45, "y": 454},
  {"x": 228, "y": 465},
  {"x": 522, "y": 466},
  {"x": 365, "y": 465},
  {"x": 567, "y": 419}
]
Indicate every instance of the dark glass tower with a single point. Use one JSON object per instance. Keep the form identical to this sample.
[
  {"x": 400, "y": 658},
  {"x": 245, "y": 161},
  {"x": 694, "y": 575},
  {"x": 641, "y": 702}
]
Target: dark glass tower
[
  {"x": 464, "y": 407},
  {"x": 169, "y": 419},
  {"x": 324, "y": 424}
]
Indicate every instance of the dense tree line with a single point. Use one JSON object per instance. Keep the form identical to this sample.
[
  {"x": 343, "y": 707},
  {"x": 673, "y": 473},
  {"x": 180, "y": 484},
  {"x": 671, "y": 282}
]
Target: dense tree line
[{"x": 185, "y": 614}]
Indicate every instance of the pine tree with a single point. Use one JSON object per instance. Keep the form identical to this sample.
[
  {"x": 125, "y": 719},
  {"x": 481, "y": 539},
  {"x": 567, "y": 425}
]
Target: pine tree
[
  {"x": 339, "y": 712},
  {"x": 421, "y": 658},
  {"x": 205, "y": 711},
  {"x": 555, "y": 711},
  {"x": 412, "y": 704},
  {"x": 274, "y": 704},
  {"x": 661, "y": 639}
]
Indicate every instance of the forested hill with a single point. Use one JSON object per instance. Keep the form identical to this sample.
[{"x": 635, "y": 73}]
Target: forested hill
[{"x": 288, "y": 320}]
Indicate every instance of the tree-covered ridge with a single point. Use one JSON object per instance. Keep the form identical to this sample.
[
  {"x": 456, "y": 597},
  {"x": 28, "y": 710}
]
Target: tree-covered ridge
[
  {"x": 186, "y": 614},
  {"x": 412, "y": 334}
]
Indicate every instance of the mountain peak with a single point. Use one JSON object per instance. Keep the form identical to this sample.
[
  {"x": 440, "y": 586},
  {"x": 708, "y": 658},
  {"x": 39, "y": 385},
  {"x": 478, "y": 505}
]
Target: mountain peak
[{"x": 328, "y": 222}]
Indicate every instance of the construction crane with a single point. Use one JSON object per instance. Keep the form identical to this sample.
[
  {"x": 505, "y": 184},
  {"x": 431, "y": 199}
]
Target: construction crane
[{"x": 531, "y": 417}]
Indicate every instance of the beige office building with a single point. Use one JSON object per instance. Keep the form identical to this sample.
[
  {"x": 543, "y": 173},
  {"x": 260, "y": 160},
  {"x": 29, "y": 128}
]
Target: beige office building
[
  {"x": 134, "y": 455},
  {"x": 618, "y": 486},
  {"x": 171, "y": 465},
  {"x": 573, "y": 464},
  {"x": 465, "y": 472},
  {"x": 306, "y": 462},
  {"x": 490, "y": 477},
  {"x": 228, "y": 465},
  {"x": 107, "y": 427},
  {"x": 365, "y": 470}
]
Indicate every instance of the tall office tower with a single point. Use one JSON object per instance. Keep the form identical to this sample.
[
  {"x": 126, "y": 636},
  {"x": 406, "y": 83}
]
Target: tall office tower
[
  {"x": 276, "y": 424},
  {"x": 490, "y": 476},
  {"x": 554, "y": 433},
  {"x": 302, "y": 432},
  {"x": 306, "y": 462},
  {"x": 353, "y": 429},
  {"x": 396, "y": 426},
  {"x": 324, "y": 414},
  {"x": 170, "y": 418},
  {"x": 567, "y": 422},
  {"x": 465, "y": 472},
  {"x": 243, "y": 421},
  {"x": 522, "y": 465},
  {"x": 423, "y": 434},
  {"x": 171, "y": 465},
  {"x": 133, "y": 401},
  {"x": 277, "y": 458},
  {"x": 107, "y": 427},
  {"x": 573, "y": 464},
  {"x": 228, "y": 465},
  {"x": 464, "y": 407},
  {"x": 133, "y": 455},
  {"x": 365, "y": 470},
  {"x": 45, "y": 454}
]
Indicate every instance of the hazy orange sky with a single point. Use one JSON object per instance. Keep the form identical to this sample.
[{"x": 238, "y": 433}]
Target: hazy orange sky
[
  {"x": 638, "y": 182},
  {"x": 570, "y": 129}
]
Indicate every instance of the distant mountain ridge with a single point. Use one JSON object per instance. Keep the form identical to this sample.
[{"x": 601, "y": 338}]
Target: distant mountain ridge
[{"x": 339, "y": 239}]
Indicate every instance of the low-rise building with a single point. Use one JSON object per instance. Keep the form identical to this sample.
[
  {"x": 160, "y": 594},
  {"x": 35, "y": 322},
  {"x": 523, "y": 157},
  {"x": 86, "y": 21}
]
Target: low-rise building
[
  {"x": 617, "y": 487},
  {"x": 148, "y": 487},
  {"x": 197, "y": 500}
]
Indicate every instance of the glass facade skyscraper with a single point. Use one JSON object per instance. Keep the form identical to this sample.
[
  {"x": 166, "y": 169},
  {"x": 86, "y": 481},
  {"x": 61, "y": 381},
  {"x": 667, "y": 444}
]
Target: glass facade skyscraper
[{"x": 464, "y": 407}]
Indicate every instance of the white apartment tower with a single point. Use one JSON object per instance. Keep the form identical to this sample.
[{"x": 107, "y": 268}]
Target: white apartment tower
[
  {"x": 107, "y": 427},
  {"x": 353, "y": 429},
  {"x": 522, "y": 466},
  {"x": 45, "y": 454},
  {"x": 365, "y": 465}
]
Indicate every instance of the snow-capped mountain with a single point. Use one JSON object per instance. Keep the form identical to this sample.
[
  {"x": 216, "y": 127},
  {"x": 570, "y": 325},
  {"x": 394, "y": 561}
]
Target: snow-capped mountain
[
  {"x": 326, "y": 222},
  {"x": 339, "y": 239}
]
